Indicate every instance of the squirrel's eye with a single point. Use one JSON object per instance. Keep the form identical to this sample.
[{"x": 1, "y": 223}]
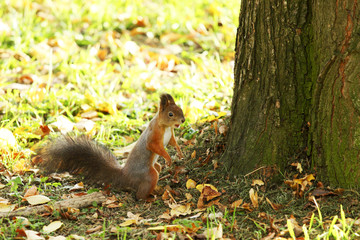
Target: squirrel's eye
[{"x": 171, "y": 114}]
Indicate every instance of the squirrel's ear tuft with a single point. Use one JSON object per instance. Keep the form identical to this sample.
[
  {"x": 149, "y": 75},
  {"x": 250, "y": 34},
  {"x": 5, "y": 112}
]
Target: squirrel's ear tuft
[{"x": 165, "y": 100}]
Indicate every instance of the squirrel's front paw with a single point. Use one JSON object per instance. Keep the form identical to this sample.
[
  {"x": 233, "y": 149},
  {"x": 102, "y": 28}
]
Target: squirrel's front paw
[{"x": 168, "y": 162}]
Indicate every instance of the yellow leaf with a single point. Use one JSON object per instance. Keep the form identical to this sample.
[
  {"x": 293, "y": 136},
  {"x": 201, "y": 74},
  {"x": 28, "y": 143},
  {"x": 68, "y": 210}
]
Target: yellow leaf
[
  {"x": 201, "y": 186},
  {"x": 128, "y": 222},
  {"x": 257, "y": 182},
  {"x": 193, "y": 155},
  {"x": 190, "y": 184},
  {"x": 237, "y": 203}
]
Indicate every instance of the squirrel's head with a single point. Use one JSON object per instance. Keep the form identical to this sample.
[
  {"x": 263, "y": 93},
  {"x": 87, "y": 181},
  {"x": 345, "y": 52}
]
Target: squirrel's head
[{"x": 170, "y": 114}]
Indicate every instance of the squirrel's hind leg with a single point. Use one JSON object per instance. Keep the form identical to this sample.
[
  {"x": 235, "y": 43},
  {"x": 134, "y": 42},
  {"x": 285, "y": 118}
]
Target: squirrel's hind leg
[{"x": 147, "y": 186}]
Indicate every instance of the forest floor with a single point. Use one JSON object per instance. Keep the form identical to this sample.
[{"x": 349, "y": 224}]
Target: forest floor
[{"x": 98, "y": 68}]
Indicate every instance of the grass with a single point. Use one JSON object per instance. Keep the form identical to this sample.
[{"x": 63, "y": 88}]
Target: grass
[
  {"x": 64, "y": 61},
  {"x": 116, "y": 57}
]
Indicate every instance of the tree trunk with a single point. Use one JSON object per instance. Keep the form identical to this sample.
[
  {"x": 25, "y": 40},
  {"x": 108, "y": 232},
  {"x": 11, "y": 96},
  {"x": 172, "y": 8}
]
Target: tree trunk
[{"x": 297, "y": 88}]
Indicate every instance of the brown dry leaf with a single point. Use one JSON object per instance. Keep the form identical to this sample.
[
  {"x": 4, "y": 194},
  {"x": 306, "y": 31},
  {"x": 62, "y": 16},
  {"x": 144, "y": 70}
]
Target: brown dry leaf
[
  {"x": 297, "y": 228},
  {"x": 320, "y": 192},
  {"x": 209, "y": 193},
  {"x": 299, "y": 185},
  {"x": 215, "y": 125},
  {"x": 257, "y": 182},
  {"x": 274, "y": 205},
  {"x": 254, "y": 198},
  {"x": 298, "y": 166},
  {"x": 237, "y": 203},
  {"x": 223, "y": 129},
  {"x": 31, "y": 191},
  {"x": 165, "y": 215},
  {"x": 270, "y": 236},
  {"x": 169, "y": 228},
  {"x": 45, "y": 130},
  {"x": 193, "y": 154},
  {"x": 94, "y": 229},
  {"x": 27, "y": 79},
  {"x": 178, "y": 209},
  {"x": 190, "y": 184},
  {"x": 131, "y": 219}
]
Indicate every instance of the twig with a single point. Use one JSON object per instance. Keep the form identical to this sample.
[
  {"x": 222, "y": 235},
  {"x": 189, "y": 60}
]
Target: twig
[{"x": 77, "y": 202}]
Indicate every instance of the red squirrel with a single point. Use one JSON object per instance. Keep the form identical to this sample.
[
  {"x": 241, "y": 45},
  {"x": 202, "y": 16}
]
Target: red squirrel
[{"x": 141, "y": 170}]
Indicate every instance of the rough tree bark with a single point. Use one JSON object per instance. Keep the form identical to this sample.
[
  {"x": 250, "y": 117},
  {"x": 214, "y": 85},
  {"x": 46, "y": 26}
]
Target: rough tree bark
[{"x": 297, "y": 88}]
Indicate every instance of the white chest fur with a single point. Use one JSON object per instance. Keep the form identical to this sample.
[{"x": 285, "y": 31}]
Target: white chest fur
[{"x": 167, "y": 136}]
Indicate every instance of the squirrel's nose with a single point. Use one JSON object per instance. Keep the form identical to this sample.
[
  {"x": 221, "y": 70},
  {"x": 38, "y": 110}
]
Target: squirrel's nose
[{"x": 183, "y": 120}]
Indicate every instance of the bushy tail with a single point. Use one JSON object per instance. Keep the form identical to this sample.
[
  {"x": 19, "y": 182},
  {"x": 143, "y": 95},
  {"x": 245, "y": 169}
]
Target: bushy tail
[{"x": 81, "y": 155}]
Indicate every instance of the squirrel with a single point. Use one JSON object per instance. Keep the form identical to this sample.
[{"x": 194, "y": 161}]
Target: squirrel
[{"x": 93, "y": 160}]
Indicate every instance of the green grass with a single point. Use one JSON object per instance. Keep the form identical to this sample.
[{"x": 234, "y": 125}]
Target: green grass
[{"x": 56, "y": 44}]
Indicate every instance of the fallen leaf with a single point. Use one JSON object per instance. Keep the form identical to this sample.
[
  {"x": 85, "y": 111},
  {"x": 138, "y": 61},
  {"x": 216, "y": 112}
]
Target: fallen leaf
[
  {"x": 291, "y": 222},
  {"x": 6, "y": 207},
  {"x": 52, "y": 227},
  {"x": 201, "y": 186},
  {"x": 58, "y": 238},
  {"x": 257, "y": 182},
  {"x": 85, "y": 125},
  {"x": 274, "y": 205},
  {"x": 223, "y": 129},
  {"x": 193, "y": 154},
  {"x": 63, "y": 124},
  {"x": 209, "y": 193},
  {"x": 237, "y": 203},
  {"x": 254, "y": 198},
  {"x": 94, "y": 229},
  {"x": 131, "y": 219},
  {"x": 78, "y": 186},
  {"x": 214, "y": 233},
  {"x": 298, "y": 166},
  {"x": 33, "y": 235},
  {"x": 7, "y": 139},
  {"x": 37, "y": 199},
  {"x": 178, "y": 209},
  {"x": 171, "y": 228},
  {"x": 31, "y": 192},
  {"x": 190, "y": 184}
]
